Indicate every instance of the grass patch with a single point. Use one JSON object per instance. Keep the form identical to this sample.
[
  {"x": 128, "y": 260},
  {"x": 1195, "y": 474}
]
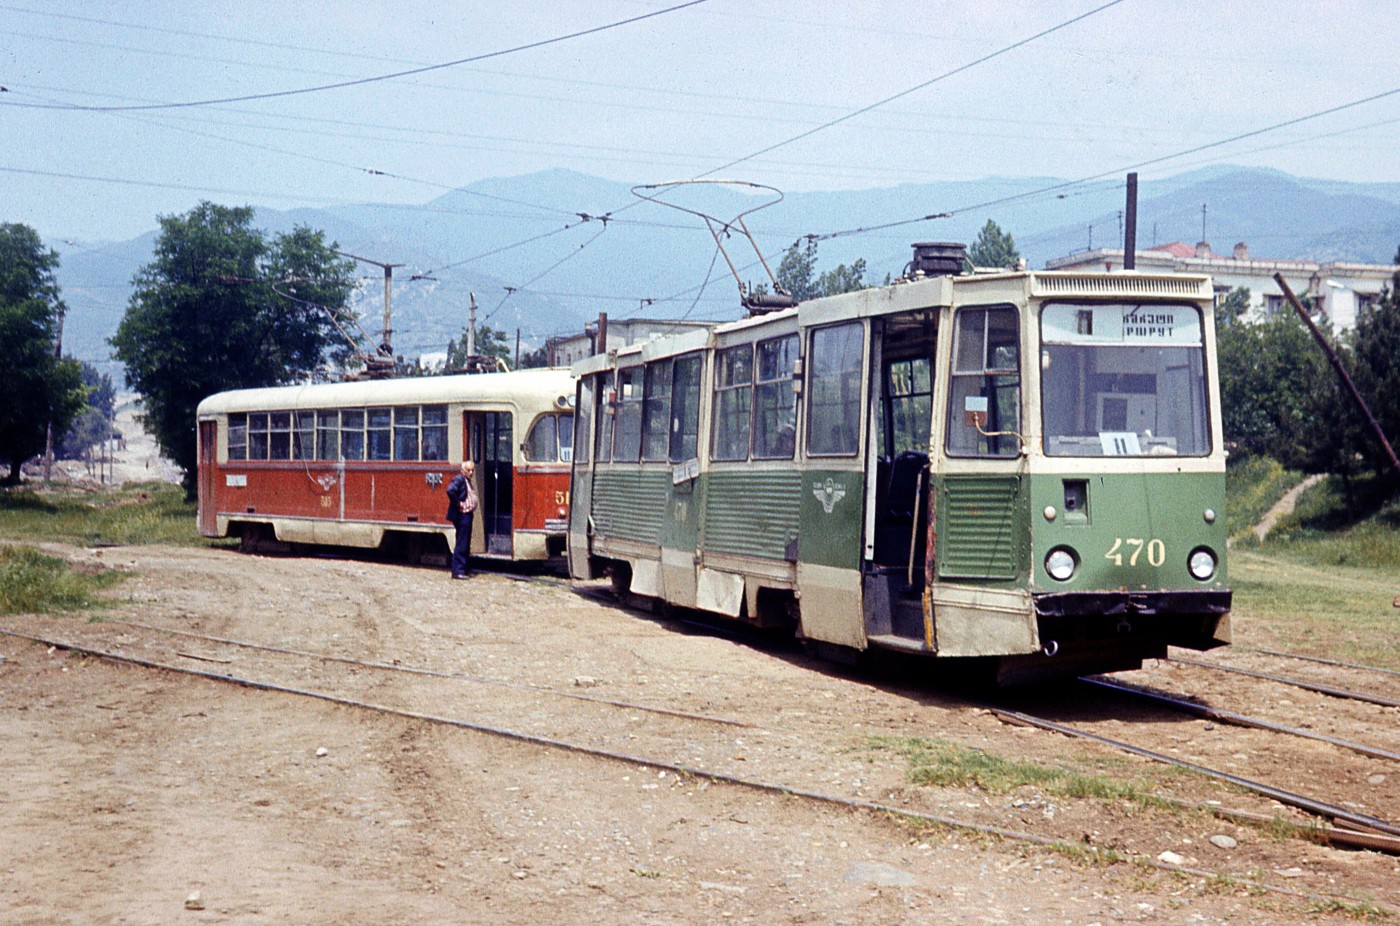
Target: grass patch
[
  {"x": 1324, "y": 582},
  {"x": 1252, "y": 486},
  {"x": 149, "y": 513},
  {"x": 1357, "y": 910},
  {"x": 940, "y": 764},
  {"x": 32, "y": 582},
  {"x": 1289, "y": 603}
]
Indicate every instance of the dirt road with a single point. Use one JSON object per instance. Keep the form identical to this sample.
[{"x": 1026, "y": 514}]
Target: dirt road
[{"x": 139, "y": 796}]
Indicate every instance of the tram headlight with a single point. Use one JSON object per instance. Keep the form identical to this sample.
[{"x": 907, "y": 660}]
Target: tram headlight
[
  {"x": 1060, "y": 563},
  {"x": 1201, "y": 563}
]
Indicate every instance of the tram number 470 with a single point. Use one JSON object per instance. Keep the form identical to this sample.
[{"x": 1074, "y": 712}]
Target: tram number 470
[{"x": 1132, "y": 548}]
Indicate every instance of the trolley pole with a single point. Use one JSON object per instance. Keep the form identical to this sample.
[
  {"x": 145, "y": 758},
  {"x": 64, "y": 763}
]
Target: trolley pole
[
  {"x": 1341, "y": 370},
  {"x": 471, "y": 327}
]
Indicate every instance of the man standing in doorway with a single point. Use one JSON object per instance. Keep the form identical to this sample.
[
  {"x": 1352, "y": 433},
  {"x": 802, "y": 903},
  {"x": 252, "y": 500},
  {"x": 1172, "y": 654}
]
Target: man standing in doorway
[{"x": 461, "y": 505}]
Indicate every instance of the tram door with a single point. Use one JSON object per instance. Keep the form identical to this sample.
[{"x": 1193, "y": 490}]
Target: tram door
[
  {"x": 208, "y": 456},
  {"x": 899, "y": 470},
  {"x": 492, "y": 445}
]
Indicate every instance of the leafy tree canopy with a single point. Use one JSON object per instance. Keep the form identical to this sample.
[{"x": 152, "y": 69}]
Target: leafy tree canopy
[
  {"x": 1280, "y": 397},
  {"x": 221, "y": 306},
  {"x": 797, "y": 274},
  {"x": 993, "y": 248},
  {"x": 1376, "y": 370},
  {"x": 41, "y": 389},
  {"x": 94, "y": 424}
]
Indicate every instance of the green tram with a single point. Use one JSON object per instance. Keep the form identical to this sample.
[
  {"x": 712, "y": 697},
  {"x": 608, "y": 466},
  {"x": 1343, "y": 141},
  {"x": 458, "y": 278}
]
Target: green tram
[{"x": 1019, "y": 468}]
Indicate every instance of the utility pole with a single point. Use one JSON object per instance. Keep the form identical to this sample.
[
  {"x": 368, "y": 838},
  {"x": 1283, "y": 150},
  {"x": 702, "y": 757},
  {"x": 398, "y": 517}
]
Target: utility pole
[
  {"x": 386, "y": 348},
  {"x": 48, "y": 435},
  {"x": 1130, "y": 228}
]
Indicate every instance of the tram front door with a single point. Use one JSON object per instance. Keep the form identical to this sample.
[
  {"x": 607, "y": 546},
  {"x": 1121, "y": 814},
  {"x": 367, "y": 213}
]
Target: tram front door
[{"x": 490, "y": 443}]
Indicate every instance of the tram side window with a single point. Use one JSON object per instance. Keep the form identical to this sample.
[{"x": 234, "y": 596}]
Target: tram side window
[
  {"x": 238, "y": 437},
  {"x": 834, "y": 390},
  {"x": 733, "y": 403},
  {"x": 406, "y": 432},
  {"x": 303, "y": 435},
  {"x": 775, "y": 420},
  {"x": 542, "y": 443},
  {"x": 627, "y": 444},
  {"x": 909, "y": 397},
  {"x": 607, "y": 411},
  {"x": 656, "y": 410},
  {"x": 583, "y": 414},
  {"x": 685, "y": 408},
  {"x": 257, "y": 436},
  {"x": 377, "y": 434},
  {"x": 328, "y": 435},
  {"x": 984, "y": 408},
  {"x": 352, "y": 434},
  {"x": 279, "y": 436},
  {"x": 434, "y": 432}
]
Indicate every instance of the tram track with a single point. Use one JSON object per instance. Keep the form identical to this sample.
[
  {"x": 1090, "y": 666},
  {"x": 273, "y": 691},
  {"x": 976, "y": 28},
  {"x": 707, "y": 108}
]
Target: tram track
[
  {"x": 1319, "y": 807},
  {"x": 681, "y": 769},
  {"x": 1294, "y": 682}
]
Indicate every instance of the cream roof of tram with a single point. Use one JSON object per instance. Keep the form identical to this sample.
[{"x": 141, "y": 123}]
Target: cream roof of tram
[{"x": 517, "y": 388}]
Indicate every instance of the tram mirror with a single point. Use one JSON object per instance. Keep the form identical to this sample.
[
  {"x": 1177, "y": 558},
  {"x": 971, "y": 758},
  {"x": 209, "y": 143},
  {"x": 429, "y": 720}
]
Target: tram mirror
[{"x": 975, "y": 412}]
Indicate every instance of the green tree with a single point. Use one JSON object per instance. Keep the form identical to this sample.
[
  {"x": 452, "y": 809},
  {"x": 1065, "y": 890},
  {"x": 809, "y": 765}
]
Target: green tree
[
  {"x": 94, "y": 423},
  {"x": 797, "y": 271},
  {"x": 798, "y": 277},
  {"x": 490, "y": 342},
  {"x": 1280, "y": 397},
  {"x": 222, "y": 307},
  {"x": 42, "y": 390},
  {"x": 1233, "y": 306},
  {"x": 1376, "y": 353},
  {"x": 993, "y": 248},
  {"x": 535, "y": 359}
]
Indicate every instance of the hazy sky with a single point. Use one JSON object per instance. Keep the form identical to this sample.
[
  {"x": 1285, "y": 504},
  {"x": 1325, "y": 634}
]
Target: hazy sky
[{"x": 675, "y": 95}]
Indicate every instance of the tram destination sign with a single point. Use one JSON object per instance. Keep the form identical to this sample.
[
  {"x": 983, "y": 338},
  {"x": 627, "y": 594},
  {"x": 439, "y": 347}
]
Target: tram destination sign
[{"x": 1134, "y": 325}]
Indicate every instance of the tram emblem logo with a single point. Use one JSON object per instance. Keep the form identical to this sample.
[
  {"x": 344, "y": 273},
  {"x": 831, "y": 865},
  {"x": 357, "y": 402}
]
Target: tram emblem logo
[
  {"x": 325, "y": 481},
  {"x": 433, "y": 479},
  {"x": 828, "y": 493}
]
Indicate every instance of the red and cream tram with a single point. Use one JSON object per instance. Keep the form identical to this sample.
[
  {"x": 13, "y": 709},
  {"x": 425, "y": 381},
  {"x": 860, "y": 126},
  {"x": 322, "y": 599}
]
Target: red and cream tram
[{"x": 365, "y": 464}]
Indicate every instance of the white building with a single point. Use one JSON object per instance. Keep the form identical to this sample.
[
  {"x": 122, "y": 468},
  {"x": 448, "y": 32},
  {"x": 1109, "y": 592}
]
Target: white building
[
  {"x": 1340, "y": 290},
  {"x": 566, "y": 351}
]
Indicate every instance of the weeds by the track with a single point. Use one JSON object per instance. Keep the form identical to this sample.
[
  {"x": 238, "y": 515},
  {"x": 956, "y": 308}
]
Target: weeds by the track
[
  {"x": 149, "y": 513},
  {"x": 33, "y": 582}
]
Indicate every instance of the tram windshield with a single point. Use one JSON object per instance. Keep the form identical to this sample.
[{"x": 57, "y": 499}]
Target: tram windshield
[{"x": 1123, "y": 380}]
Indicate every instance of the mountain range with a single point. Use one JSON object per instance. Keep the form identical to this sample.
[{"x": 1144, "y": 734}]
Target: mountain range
[{"x": 545, "y": 253}]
